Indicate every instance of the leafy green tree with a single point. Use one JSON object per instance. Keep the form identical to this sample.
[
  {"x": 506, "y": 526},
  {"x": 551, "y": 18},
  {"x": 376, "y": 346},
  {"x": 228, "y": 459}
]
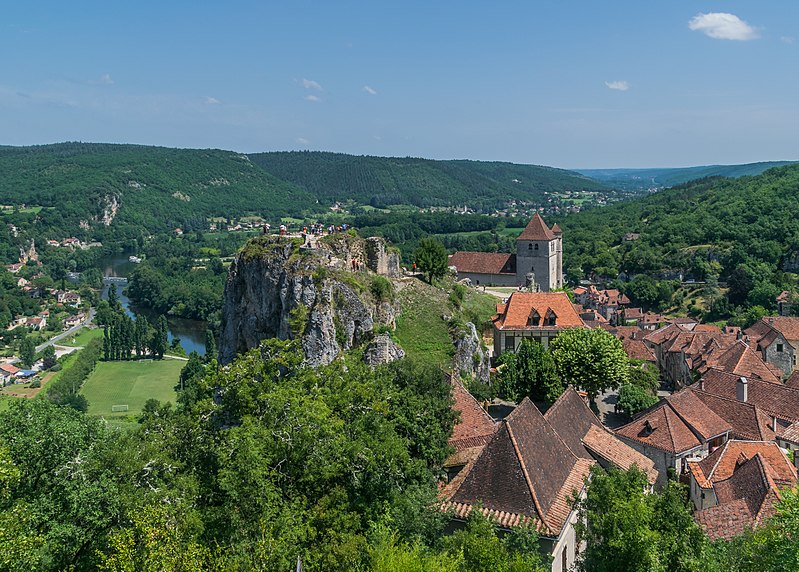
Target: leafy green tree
[
  {"x": 643, "y": 290},
  {"x": 625, "y": 528},
  {"x": 645, "y": 375},
  {"x": 633, "y": 399},
  {"x": 27, "y": 351},
  {"x": 113, "y": 297},
  {"x": 159, "y": 343},
  {"x": 530, "y": 372},
  {"x": 431, "y": 258},
  {"x": 193, "y": 369},
  {"x": 590, "y": 359}
]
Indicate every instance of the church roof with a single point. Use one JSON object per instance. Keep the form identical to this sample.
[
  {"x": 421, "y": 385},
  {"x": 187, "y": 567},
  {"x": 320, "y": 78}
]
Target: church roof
[
  {"x": 536, "y": 229},
  {"x": 484, "y": 262}
]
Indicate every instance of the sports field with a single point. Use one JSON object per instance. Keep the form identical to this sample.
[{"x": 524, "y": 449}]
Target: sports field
[
  {"x": 83, "y": 337},
  {"x": 130, "y": 383}
]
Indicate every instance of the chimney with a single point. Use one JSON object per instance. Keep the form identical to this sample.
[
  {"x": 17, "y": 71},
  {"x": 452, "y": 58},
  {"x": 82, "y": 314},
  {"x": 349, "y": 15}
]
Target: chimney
[
  {"x": 742, "y": 389},
  {"x": 701, "y": 384},
  {"x": 774, "y": 424}
]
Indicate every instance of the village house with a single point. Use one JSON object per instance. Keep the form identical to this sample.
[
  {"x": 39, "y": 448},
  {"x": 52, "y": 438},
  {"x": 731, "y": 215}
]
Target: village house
[
  {"x": 533, "y": 466},
  {"x": 472, "y": 431},
  {"x": 36, "y": 323},
  {"x": 540, "y": 316},
  {"x": 777, "y": 339},
  {"x": 677, "y": 429},
  {"x": 632, "y": 340},
  {"x": 736, "y": 487},
  {"x": 538, "y": 261},
  {"x": 68, "y": 298},
  {"x": 8, "y": 373},
  {"x": 72, "y": 321},
  {"x": 784, "y": 303}
]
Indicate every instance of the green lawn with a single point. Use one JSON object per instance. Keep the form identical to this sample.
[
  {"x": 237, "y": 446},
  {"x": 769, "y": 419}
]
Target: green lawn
[
  {"x": 130, "y": 383},
  {"x": 421, "y": 331},
  {"x": 83, "y": 337}
]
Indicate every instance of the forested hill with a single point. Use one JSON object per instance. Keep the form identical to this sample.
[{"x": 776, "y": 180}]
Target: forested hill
[
  {"x": 382, "y": 181},
  {"x": 709, "y": 227},
  {"x": 150, "y": 188},
  {"x": 643, "y": 179}
]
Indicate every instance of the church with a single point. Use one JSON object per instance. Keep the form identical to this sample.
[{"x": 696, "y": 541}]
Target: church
[{"x": 538, "y": 261}]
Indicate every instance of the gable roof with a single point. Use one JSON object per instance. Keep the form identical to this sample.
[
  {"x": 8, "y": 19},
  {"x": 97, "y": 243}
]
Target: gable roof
[
  {"x": 614, "y": 451},
  {"x": 745, "y": 499},
  {"x": 521, "y": 305},
  {"x": 746, "y": 420},
  {"x": 484, "y": 262},
  {"x": 722, "y": 463},
  {"x": 475, "y": 426},
  {"x": 526, "y": 470},
  {"x": 740, "y": 360},
  {"x": 786, "y": 326},
  {"x": 661, "y": 428},
  {"x": 9, "y": 369},
  {"x": 698, "y": 416},
  {"x": 536, "y": 229},
  {"x": 775, "y": 399}
]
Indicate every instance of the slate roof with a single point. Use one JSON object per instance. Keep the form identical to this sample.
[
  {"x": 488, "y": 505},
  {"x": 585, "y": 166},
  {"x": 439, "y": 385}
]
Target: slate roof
[
  {"x": 516, "y": 313},
  {"x": 774, "y": 399},
  {"x": 536, "y": 229},
  {"x": 526, "y": 471},
  {"x": 484, "y": 262}
]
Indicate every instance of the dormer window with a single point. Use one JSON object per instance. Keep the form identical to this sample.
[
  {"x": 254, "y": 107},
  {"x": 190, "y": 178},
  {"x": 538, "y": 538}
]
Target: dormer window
[
  {"x": 535, "y": 319},
  {"x": 648, "y": 428},
  {"x": 550, "y": 318}
]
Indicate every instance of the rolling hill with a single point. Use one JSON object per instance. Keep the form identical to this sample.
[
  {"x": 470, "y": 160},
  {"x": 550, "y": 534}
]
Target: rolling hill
[
  {"x": 643, "y": 179},
  {"x": 382, "y": 181}
]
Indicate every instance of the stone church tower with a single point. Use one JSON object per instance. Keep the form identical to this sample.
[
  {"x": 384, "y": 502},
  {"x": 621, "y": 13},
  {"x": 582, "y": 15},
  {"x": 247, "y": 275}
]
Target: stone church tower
[{"x": 539, "y": 249}]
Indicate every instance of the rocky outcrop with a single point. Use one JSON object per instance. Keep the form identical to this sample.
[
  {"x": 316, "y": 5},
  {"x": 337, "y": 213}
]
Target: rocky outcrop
[
  {"x": 275, "y": 289},
  {"x": 382, "y": 349},
  {"x": 471, "y": 359}
]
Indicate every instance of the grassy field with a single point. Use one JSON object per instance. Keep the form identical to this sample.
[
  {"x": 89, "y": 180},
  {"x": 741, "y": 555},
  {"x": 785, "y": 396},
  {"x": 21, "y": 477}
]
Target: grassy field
[
  {"x": 130, "y": 383},
  {"x": 83, "y": 337}
]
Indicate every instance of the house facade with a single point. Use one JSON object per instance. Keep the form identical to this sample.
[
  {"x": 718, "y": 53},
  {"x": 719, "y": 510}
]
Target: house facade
[
  {"x": 540, "y": 316},
  {"x": 777, "y": 339}
]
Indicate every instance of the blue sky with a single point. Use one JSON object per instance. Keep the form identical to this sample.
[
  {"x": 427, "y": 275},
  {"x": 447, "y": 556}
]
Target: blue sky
[{"x": 566, "y": 83}]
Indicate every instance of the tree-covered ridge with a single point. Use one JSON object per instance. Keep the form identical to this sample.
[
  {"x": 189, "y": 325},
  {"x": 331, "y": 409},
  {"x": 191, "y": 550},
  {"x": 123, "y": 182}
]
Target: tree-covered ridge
[
  {"x": 382, "y": 181},
  {"x": 642, "y": 179},
  {"x": 156, "y": 188},
  {"x": 705, "y": 228}
]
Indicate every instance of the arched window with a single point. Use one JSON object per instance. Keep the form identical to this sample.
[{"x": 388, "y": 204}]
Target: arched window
[
  {"x": 530, "y": 246},
  {"x": 536, "y": 247}
]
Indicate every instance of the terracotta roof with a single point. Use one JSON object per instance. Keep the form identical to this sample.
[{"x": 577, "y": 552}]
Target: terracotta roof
[
  {"x": 792, "y": 433},
  {"x": 9, "y": 368},
  {"x": 741, "y": 360},
  {"x": 521, "y": 305},
  {"x": 775, "y": 399},
  {"x": 698, "y": 416},
  {"x": 787, "y": 326},
  {"x": 745, "y": 499},
  {"x": 746, "y": 420},
  {"x": 637, "y": 349},
  {"x": 571, "y": 419},
  {"x": 525, "y": 470},
  {"x": 607, "y": 446},
  {"x": 475, "y": 426},
  {"x": 723, "y": 462},
  {"x": 536, "y": 229},
  {"x": 484, "y": 262},
  {"x": 556, "y": 229},
  {"x": 793, "y": 379},
  {"x": 660, "y": 427},
  {"x": 579, "y": 290}
]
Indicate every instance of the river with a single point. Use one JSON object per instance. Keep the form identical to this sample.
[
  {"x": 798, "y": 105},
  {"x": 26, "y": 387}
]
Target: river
[{"x": 191, "y": 333}]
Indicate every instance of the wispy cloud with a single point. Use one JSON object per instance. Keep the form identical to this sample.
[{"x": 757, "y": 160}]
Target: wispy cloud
[
  {"x": 618, "y": 85},
  {"x": 303, "y": 141},
  {"x": 212, "y": 101},
  {"x": 787, "y": 39},
  {"x": 370, "y": 90},
  {"x": 723, "y": 26},
  {"x": 313, "y": 98},
  {"x": 104, "y": 79},
  {"x": 311, "y": 84}
]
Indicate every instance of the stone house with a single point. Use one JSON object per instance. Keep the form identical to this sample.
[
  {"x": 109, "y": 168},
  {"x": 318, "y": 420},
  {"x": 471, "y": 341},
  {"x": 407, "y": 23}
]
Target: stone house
[
  {"x": 537, "y": 315},
  {"x": 777, "y": 339}
]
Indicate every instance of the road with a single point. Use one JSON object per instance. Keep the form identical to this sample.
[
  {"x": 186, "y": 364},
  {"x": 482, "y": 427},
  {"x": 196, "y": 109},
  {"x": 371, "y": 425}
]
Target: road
[{"x": 67, "y": 333}]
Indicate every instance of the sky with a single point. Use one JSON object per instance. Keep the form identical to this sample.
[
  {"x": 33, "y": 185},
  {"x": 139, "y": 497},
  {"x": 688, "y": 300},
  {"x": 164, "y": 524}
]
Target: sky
[{"x": 567, "y": 83}]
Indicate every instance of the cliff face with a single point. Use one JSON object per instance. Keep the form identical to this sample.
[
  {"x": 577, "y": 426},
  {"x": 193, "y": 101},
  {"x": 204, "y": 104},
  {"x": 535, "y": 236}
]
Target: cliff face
[{"x": 275, "y": 288}]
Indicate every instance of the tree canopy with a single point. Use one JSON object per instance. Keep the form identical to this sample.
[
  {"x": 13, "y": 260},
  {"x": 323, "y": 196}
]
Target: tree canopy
[{"x": 590, "y": 359}]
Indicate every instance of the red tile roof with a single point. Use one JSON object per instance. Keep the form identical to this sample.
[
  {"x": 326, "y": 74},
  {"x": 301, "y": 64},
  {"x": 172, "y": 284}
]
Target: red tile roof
[
  {"x": 787, "y": 326},
  {"x": 775, "y": 399},
  {"x": 740, "y": 360},
  {"x": 526, "y": 471},
  {"x": 722, "y": 463},
  {"x": 613, "y": 450},
  {"x": 536, "y": 229},
  {"x": 746, "y": 420},
  {"x": 661, "y": 428},
  {"x": 9, "y": 368},
  {"x": 484, "y": 262},
  {"x": 698, "y": 416},
  {"x": 521, "y": 305},
  {"x": 475, "y": 426}
]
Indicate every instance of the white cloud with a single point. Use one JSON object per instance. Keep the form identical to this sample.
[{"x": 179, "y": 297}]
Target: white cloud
[
  {"x": 618, "y": 85},
  {"x": 212, "y": 101},
  {"x": 104, "y": 79},
  {"x": 312, "y": 98},
  {"x": 787, "y": 39},
  {"x": 370, "y": 90},
  {"x": 303, "y": 141},
  {"x": 311, "y": 84},
  {"x": 723, "y": 26}
]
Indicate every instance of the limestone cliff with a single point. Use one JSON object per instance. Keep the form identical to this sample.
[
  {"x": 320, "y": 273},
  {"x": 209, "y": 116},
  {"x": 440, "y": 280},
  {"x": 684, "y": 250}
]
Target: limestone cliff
[
  {"x": 471, "y": 359},
  {"x": 329, "y": 296}
]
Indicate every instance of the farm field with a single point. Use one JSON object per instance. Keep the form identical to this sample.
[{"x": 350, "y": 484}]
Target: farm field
[{"x": 130, "y": 383}]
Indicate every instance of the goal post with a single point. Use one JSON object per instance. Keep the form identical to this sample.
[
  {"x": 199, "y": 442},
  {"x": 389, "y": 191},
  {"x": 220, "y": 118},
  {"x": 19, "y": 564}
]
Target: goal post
[{"x": 118, "y": 408}]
